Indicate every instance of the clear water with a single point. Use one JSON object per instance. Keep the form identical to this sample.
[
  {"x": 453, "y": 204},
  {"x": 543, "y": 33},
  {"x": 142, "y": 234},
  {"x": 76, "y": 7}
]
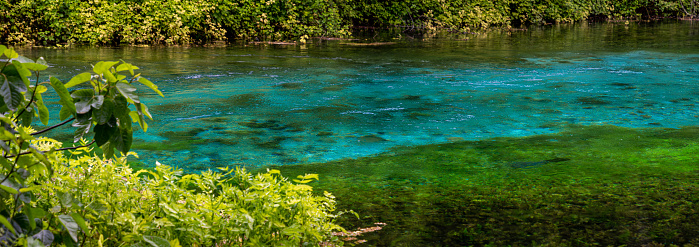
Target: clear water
[{"x": 261, "y": 105}]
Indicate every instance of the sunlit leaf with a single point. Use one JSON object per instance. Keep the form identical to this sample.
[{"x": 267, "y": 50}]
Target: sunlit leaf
[
  {"x": 80, "y": 78},
  {"x": 102, "y": 67},
  {"x": 80, "y": 221},
  {"x": 127, "y": 91},
  {"x": 70, "y": 225},
  {"x": 7, "y": 224},
  {"x": 150, "y": 85},
  {"x": 155, "y": 241},
  {"x": 66, "y": 100}
]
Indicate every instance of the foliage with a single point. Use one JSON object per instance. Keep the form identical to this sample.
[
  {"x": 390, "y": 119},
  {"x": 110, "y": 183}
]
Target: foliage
[
  {"x": 121, "y": 206},
  {"x": 82, "y": 199},
  {"x": 42, "y": 22}
]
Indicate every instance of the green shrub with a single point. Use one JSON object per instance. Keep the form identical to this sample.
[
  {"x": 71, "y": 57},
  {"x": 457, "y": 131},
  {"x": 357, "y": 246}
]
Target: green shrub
[{"x": 48, "y": 198}]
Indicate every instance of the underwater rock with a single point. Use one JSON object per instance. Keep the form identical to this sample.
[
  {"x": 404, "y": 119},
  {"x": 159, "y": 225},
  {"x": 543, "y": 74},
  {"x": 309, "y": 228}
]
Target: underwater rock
[
  {"x": 269, "y": 124},
  {"x": 290, "y": 85},
  {"x": 597, "y": 100},
  {"x": 324, "y": 133},
  {"x": 371, "y": 139},
  {"x": 411, "y": 97}
]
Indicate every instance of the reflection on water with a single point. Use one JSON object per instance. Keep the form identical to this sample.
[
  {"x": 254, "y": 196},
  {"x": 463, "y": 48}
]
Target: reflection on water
[{"x": 262, "y": 105}]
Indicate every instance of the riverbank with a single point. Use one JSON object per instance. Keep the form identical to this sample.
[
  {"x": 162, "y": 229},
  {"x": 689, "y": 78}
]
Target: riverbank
[{"x": 113, "y": 22}]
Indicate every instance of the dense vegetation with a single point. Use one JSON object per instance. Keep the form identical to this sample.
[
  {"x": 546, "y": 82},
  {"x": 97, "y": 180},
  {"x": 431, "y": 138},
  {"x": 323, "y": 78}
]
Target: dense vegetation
[
  {"x": 78, "y": 198},
  {"x": 48, "y": 22}
]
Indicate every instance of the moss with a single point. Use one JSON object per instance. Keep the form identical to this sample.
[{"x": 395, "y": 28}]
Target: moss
[{"x": 600, "y": 185}]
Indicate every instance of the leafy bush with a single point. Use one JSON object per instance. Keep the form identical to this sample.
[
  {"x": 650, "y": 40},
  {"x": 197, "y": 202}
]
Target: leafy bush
[
  {"x": 187, "y": 21},
  {"x": 49, "y": 198}
]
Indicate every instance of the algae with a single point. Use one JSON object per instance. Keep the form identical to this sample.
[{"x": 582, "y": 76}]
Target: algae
[{"x": 598, "y": 186}]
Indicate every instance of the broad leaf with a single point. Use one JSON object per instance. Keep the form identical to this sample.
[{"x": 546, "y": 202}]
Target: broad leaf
[
  {"x": 122, "y": 140},
  {"x": 7, "y": 224},
  {"x": 104, "y": 132},
  {"x": 78, "y": 79},
  {"x": 10, "y": 53},
  {"x": 126, "y": 66},
  {"x": 12, "y": 93},
  {"x": 70, "y": 225},
  {"x": 102, "y": 67},
  {"x": 149, "y": 84},
  {"x": 127, "y": 90},
  {"x": 45, "y": 236},
  {"x": 66, "y": 99},
  {"x": 80, "y": 221},
  {"x": 104, "y": 113},
  {"x": 35, "y": 66},
  {"x": 156, "y": 241},
  {"x": 42, "y": 109}
]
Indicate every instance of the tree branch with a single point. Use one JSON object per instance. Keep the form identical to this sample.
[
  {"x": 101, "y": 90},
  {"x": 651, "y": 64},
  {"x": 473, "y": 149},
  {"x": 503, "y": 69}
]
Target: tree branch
[
  {"x": 60, "y": 149},
  {"x": 53, "y": 127}
]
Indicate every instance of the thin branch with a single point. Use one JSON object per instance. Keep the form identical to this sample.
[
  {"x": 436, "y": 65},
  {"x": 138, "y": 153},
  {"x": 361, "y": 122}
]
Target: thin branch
[
  {"x": 60, "y": 149},
  {"x": 71, "y": 148},
  {"x": 36, "y": 87},
  {"x": 53, "y": 127}
]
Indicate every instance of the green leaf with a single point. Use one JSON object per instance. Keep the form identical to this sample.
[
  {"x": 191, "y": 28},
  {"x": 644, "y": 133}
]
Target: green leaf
[
  {"x": 107, "y": 150},
  {"x": 66, "y": 99},
  {"x": 70, "y": 225},
  {"x": 127, "y": 90},
  {"x": 104, "y": 113},
  {"x": 126, "y": 66},
  {"x": 138, "y": 117},
  {"x": 12, "y": 93},
  {"x": 156, "y": 241},
  {"x": 42, "y": 61},
  {"x": 78, "y": 79},
  {"x": 80, "y": 221},
  {"x": 66, "y": 199},
  {"x": 83, "y": 100},
  {"x": 122, "y": 140},
  {"x": 22, "y": 59},
  {"x": 35, "y": 66},
  {"x": 43, "y": 110},
  {"x": 10, "y": 53},
  {"x": 7, "y": 224},
  {"x": 64, "y": 113},
  {"x": 149, "y": 84},
  {"x": 45, "y": 236},
  {"x": 102, "y": 67},
  {"x": 104, "y": 132},
  {"x": 8, "y": 189},
  {"x": 2, "y": 49},
  {"x": 82, "y": 130},
  {"x": 22, "y": 72}
]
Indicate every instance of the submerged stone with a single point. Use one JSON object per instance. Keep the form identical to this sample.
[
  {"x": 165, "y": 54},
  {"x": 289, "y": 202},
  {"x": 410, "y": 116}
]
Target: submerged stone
[{"x": 371, "y": 139}]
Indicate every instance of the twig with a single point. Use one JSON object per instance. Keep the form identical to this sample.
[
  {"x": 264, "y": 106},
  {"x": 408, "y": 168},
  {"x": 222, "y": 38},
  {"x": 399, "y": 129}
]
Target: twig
[
  {"x": 60, "y": 149},
  {"x": 53, "y": 127}
]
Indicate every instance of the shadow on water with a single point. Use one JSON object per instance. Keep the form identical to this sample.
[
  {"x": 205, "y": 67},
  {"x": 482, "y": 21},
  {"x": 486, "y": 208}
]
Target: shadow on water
[{"x": 588, "y": 185}]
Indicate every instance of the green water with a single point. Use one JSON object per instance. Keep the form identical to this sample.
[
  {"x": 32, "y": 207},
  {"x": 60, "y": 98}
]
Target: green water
[{"x": 572, "y": 135}]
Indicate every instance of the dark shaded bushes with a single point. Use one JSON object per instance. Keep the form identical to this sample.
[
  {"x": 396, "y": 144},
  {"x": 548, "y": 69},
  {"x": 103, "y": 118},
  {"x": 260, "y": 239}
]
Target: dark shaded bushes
[{"x": 42, "y": 22}]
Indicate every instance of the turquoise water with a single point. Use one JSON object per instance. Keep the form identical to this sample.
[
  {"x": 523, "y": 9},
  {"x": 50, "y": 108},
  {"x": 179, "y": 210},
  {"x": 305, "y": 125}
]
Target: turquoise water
[{"x": 259, "y": 105}]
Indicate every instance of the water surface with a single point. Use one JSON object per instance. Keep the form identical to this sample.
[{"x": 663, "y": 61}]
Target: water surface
[{"x": 261, "y": 105}]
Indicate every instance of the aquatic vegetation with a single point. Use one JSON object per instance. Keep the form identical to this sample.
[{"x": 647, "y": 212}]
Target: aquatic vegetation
[{"x": 588, "y": 185}]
